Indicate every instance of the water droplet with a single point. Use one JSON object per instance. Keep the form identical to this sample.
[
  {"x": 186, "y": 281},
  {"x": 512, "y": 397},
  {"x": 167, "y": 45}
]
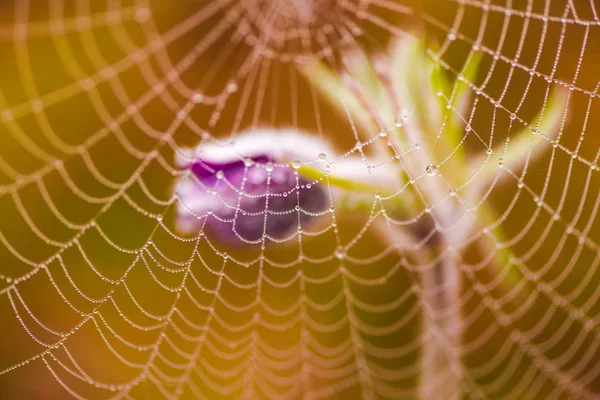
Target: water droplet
[
  {"x": 269, "y": 167},
  {"x": 431, "y": 170},
  {"x": 404, "y": 114},
  {"x": 468, "y": 128},
  {"x": 417, "y": 146},
  {"x": 322, "y": 156},
  {"x": 489, "y": 151},
  {"x": 248, "y": 162},
  {"x": 220, "y": 175},
  {"x": 296, "y": 164},
  {"x": 513, "y": 116},
  {"x": 356, "y": 30},
  {"x": 232, "y": 87},
  {"x": 340, "y": 253},
  {"x": 197, "y": 98}
]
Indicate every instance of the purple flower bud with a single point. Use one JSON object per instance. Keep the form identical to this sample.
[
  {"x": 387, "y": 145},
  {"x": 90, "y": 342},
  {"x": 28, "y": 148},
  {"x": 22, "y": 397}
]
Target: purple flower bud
[{"x": 243, "y": 190}]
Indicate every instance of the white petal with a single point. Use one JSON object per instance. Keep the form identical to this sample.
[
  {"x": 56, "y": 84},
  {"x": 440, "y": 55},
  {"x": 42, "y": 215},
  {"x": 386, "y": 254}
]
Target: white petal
[{"x": 282, "y": 145}]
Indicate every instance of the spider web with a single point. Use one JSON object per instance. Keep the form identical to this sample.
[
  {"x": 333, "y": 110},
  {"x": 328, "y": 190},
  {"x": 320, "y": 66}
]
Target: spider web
[{"x": 102, "y": 297}]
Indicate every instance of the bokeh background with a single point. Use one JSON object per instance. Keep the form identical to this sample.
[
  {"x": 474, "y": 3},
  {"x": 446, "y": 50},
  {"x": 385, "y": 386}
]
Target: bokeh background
[{"x": 90, "y": 61}]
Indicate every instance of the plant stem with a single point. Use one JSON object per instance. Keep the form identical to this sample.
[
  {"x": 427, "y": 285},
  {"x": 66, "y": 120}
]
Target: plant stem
[
  {"x": 441, "y": 332},
  {"x": 442, "y": 328},
  {"x": 442, "y": 316}
]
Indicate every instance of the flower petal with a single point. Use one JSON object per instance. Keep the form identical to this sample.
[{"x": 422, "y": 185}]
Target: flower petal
[{"x": 245, "y": 189}]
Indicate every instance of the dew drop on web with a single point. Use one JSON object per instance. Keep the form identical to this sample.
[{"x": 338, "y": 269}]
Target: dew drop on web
[{"x": 431, "y": 170}]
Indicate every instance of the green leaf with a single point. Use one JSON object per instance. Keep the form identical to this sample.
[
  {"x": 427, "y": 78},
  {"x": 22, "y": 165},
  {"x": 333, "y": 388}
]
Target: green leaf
[
  {"x": 460, "y": 100},
  {"x": 363, "y": 184},
  {"x": 516, "y": 155},
  {"x": 338, "y": 94},
  {"x": 524, "y": 147},
  {"x": 412, "y": 71},
  {"x": 376, "y": 94}
]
